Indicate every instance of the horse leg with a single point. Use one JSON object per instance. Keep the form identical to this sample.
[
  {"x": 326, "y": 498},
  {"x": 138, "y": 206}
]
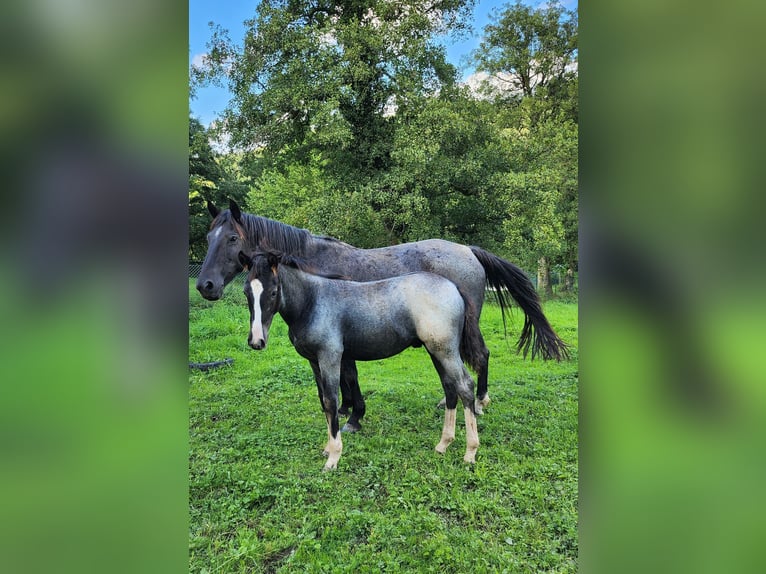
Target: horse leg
[
  {"x": 349, "y": 377},
  {"x": 469, "y": 410},
  {"x": 480, "y": 365},
  {"x": 327, "y": 383},
  {"x": 346, "y": 395},
  {"x": 482, "y": 395},
  {"x": 457, "y": 382},
  {"x": 450, "y": 403},
  {"x": 482, "y": 373},
  {"x": 448, "y": 430},
  {"x": 320, "y": 392}
]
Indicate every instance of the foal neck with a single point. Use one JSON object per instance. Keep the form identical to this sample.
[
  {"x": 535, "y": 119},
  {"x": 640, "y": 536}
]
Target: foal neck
[{"x": 298, "y": 290}]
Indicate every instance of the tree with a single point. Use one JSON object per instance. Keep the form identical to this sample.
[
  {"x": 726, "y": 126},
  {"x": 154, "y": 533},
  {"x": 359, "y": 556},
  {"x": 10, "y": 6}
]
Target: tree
[
  {"x": 532, "y": 54},
  {"x": 211, "y": 178},
  {"x": 449, "y": 162},
  {"x": 541, "y": 228},
  {"x": 530, "y": 49},
  {"x": 318, "y": 76}
]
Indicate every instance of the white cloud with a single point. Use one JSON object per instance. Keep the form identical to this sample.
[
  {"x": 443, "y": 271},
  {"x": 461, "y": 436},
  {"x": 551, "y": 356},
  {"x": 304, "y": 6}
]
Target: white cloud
[
  {"x": 199, "y": 60},
  {"x": 482, "y": 85}
]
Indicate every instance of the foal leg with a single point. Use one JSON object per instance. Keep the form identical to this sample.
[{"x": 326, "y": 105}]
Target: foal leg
[
  {"x": 450, "y": 403},
  {"x": 481, "y": 366},
  {"x": 448, "y": 430},
  {"x": 457, "y": 382},
  {"x": 465, "y": 389},
  {"x": 349, "y": 377},
  {"x": 327, "y": 384}
]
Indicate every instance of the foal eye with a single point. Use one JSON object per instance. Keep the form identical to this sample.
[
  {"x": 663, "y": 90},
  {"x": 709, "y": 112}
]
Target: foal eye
[{"x": 273, "y": 294}]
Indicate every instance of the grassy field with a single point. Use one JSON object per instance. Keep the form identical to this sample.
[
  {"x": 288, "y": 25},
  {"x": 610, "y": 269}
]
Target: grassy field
[{"x": 259, "y": 501}]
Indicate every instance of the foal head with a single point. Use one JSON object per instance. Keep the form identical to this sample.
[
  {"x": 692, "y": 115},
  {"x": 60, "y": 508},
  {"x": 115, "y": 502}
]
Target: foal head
[{"x": 262, "y": 292}]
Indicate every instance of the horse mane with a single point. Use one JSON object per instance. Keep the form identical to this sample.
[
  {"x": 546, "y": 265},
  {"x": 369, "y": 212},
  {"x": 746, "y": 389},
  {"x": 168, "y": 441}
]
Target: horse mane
[
  {"x": 267, "y": 233},
  {"x": 300, "y": 264}
]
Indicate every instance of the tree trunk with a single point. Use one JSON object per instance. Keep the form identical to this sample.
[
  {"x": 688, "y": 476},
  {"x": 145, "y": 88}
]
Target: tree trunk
[
  {"x": 569, "y": 280},
  {"x": 544, "y": 278}
]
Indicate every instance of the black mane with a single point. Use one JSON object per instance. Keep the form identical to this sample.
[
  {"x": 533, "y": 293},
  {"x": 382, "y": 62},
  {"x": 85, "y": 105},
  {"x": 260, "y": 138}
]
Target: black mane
[
  {"x": 299, "y": 263},
  {"x": 268, "y": 234}
]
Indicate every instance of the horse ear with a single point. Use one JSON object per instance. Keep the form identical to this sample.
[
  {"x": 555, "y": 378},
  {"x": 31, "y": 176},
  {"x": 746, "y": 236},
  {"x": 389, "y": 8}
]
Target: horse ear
[
  {"x": 244, "y": 260},
  {"x": 274, "y": 259},
  {"x": 214, "y": 211},
  {"x": 235, "y": 211}
]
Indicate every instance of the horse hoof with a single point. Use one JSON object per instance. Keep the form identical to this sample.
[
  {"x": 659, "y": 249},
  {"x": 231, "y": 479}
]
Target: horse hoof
[
  {"x": 470, "y": 459},
  {"x": 350, "y": 428},
  {"x": 329, "y": 466}
]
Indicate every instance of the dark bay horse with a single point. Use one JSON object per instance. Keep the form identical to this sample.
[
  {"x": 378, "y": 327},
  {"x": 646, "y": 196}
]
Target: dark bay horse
[
  {"x": 331, "y": 320},
  {"x": 469, "y": 268}
]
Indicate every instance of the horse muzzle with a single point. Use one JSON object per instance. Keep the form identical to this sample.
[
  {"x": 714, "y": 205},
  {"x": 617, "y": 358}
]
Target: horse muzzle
[{"x": 209, "y": 290}]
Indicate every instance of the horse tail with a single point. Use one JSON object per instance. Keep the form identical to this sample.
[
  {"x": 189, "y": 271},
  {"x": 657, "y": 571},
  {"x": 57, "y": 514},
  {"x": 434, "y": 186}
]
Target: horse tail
[
  {"x": 471, "y": 342},
  {"x": 505, "y": 279}
]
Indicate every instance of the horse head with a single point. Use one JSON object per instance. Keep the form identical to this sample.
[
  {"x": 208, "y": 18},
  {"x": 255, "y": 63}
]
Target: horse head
[{"x": 225, "y": 239}]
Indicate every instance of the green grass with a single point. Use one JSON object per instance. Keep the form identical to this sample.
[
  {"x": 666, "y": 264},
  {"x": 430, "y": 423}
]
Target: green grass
[{"x": 259, "y": 501}]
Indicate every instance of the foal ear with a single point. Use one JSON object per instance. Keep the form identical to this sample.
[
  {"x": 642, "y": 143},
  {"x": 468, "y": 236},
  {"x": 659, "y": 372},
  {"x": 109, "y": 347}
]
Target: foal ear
[
  {"x": 214, "y": 211},
  {"x": 244, "y": 260},
  {"x": 235, "y": 211},
  {"x": 274, "y": 259}
]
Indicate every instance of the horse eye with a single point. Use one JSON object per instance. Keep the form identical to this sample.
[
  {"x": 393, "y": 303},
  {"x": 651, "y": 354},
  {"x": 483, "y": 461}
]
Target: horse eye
[
  {"x": 233, "y": 238},
  {"x": 273, "y": 294}
]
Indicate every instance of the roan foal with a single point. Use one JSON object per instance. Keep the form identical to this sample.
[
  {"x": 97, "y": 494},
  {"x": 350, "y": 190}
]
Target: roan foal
[{"x": 331, "y": 320}]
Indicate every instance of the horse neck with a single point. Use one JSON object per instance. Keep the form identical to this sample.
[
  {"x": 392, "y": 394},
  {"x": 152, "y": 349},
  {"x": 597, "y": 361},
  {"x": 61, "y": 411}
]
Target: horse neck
[
  {"x": 297, "y": 293},
  {"x": 268, "y": 233}
]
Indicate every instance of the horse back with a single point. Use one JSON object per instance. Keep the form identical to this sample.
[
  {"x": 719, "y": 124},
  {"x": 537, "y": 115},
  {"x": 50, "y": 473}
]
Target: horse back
[{"x": 450, "y": 260}]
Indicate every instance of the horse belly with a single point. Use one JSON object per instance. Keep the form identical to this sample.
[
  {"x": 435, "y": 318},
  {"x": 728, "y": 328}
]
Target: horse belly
[
  {"x": 376, "y": 334},
  {"x": 362, "y": 351}
]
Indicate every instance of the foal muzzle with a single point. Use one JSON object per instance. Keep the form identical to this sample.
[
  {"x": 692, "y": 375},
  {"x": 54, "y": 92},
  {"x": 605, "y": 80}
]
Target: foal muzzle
[{"x": 258, "y": 345}]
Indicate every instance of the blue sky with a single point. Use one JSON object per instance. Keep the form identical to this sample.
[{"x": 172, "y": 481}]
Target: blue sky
[{"x": 231, "y": 14}]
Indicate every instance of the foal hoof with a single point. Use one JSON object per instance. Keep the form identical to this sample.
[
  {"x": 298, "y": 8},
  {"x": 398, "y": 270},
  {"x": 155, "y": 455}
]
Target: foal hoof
[
  {"x": 480, "y": 404},
  {"x": 351, "y": 428}
]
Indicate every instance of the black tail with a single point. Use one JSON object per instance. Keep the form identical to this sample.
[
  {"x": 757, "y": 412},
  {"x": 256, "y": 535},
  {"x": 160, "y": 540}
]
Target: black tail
[
  {"x": 507, "y": 279},
  {"x": 471, "y": 343}
]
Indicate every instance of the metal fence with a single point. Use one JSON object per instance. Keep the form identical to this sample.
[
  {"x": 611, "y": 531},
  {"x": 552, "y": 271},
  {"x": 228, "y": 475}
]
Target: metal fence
[
  {"x": 557, "y": 278},
  {"x": 194, "y": 269}
]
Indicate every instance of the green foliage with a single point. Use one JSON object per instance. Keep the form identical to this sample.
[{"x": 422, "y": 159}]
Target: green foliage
[
  {"x": 530, "y": 48},
  {"x": 259, "y": 501},
  {"x": 212, "y": 177},
  {"x": 542, "y": 194},
  {"x": 361, "y": 133},
  {"x": 320, "y": 76}
]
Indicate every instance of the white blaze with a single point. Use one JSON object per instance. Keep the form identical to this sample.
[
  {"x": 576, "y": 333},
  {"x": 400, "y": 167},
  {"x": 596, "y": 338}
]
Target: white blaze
[{"x": 256, "y": 327}]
